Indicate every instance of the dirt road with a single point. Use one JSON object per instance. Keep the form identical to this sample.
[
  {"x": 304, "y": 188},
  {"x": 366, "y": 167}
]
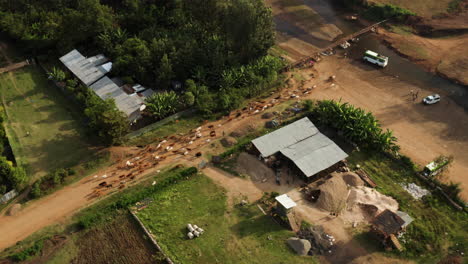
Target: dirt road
[{"x": 169, "y": 151}]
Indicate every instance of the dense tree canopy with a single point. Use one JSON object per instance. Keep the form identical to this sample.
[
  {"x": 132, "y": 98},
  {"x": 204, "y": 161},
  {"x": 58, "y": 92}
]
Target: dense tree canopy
[
  {"x": 152, "y": 41},
  {"x": 219, "y": 44}
]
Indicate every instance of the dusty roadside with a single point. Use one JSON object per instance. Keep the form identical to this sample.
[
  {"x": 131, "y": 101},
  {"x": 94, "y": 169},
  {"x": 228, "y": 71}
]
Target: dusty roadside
[
  {"x": 423, "y": 132},
  {"x": 447, "y": 57}
]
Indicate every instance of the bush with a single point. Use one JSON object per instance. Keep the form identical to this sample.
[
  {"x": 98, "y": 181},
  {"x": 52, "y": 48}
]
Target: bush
[
  {"x": 36, "y": 191},
  {"x": 161, "y": 105},
  {"x": 381, "y": 12},
  {"x": 308, "y": 105},
  {"x": 29, "y": 252},
  {"x": 188, "y": 99}
]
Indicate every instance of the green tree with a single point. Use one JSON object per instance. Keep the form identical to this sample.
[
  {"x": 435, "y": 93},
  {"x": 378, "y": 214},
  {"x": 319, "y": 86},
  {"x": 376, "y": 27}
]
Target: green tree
[
  {"x": 250, "y": 29},
  {"x": 164, "y": 74},
  {"x": 104, "y": 118}
]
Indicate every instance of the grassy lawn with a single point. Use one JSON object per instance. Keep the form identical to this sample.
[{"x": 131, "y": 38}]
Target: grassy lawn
[
  {"x": 237, "y": 235},
  {"x": 437, "y": 230},
  {"x": 32, "y": 105},
  {"x": 425, "y": 8}
]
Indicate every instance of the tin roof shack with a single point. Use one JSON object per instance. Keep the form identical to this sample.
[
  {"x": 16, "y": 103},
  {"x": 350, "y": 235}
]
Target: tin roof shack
[
  {"x": 284, "y": 204},
  {"x": 302, "y": 144},
  {"x": 388, "y": 225}
]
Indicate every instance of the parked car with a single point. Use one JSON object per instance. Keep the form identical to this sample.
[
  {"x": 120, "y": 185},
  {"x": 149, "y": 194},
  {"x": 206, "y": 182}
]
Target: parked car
[
  {"x": 375, "y": 58},
  {"x": 138, "y": 88},
  {"x": 431, "y": 99}
]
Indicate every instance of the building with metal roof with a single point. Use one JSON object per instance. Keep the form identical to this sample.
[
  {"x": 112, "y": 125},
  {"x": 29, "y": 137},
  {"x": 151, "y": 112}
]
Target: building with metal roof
[
  {"x": 130, "y": 104},
  {"x": 87, "y": 70},
  {"x": 285, "y": 201},
  {"x": 303, "y": 144},
  {"x": 405, "y": 217},
  {"x": 284, "y": 204}
]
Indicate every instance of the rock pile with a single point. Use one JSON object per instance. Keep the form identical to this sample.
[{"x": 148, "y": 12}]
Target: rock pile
[
  {"x": 194, "y": 231},
  {"x": 321, "y": 242},
  {"x": 300, "y": 246},
  {"x": 416, "y": 191}
]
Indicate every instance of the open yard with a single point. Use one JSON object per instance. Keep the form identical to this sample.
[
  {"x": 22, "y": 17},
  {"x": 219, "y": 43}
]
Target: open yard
[
  {"x": 232, "y": 235},
  {"x": 40, "y": 125}
]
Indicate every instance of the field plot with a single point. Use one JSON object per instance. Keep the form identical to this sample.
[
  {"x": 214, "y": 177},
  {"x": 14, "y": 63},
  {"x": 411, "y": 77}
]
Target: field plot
[
  {"x": 232, "y": 235},
  {"x": 118, "y": 242},
  {"x": 300, "y": 29},
  {"x": 42, "y": 131}
]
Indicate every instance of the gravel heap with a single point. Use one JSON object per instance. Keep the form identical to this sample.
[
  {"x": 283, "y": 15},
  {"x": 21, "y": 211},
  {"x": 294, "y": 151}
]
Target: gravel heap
[{"x": 416, "y": 191}]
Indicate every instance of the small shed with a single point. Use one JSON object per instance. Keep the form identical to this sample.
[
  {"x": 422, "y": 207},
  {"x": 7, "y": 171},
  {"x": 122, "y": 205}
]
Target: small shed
[
  {"x": 387, "y": 225},
  {"x": 284, "y": 204}
]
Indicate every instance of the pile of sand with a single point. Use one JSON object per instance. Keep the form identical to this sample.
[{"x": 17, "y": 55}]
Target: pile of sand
[
  {"x": 256, "y": 169},
  {"x": 365, "y": 203},
  {"x": 366, "y": 195},
  {"x": 352, "y": 179},
  {"x": 333, "y": 194}
]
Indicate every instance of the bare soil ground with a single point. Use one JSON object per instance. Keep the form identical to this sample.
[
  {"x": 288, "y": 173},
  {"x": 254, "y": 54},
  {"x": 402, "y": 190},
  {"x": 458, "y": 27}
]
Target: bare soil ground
[
  {"x": 447, "y": 56},
  {"x": 117, "y": 242},
  {"x": 300, "y": 29},
  {"x": 423, "y": 132}
]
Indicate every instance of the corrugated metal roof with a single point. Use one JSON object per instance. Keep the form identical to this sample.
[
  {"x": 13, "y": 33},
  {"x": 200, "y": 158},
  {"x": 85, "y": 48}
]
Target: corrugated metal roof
[
  {"x": 285, "y": 201},
  {"x": 8, "y": 196},
  {"x": 314, "y": 154},
  {"x": 275, "y": 141},
  {"x": 406, "y": 217},
  {"x": 303, "y": 144},
  {"x": 85, "y": 69},
  {"x": 129, "y": 104}
]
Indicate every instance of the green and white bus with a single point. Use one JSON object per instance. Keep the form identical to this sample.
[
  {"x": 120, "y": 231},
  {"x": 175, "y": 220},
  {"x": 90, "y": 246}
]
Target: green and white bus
[
  {"x": 434, "y": 168},
  {"x": 375, "y": 58}
]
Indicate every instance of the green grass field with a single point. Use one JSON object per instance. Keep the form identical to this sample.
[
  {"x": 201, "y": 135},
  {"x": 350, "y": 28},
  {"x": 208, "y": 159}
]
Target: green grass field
[
  {"x": 33, "y": 105},
  {"x": 237, "y": 235}
]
